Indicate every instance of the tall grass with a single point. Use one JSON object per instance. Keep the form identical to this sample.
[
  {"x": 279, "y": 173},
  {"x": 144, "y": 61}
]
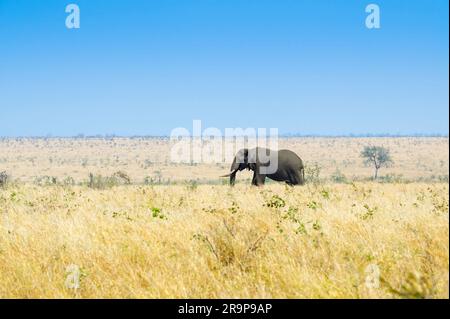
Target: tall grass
[{"x": 209, "y": 241}]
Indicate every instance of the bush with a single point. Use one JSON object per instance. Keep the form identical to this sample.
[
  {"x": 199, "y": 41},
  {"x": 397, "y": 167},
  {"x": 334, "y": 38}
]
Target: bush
[
  {"x": 102, "y": 182},
  {"x": 45, "y": 180},
  {"x": 122, "y": 177},
  {"x": 338, "y": 177},
  {"x": 312, "y": 173},
  {"x": 391, "y": 178},
  {"x": 3, "y": 179},
  {"x": 157, "y": 213},
  {"x": 276, "y": 202},
  {"x": 68, "y": 181},
  {"x": 191, "y": 185},
  {"x": 149, "y": 180}
]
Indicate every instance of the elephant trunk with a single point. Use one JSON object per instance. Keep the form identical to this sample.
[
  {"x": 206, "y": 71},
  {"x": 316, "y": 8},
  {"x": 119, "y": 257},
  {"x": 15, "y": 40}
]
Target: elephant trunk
[
  {"x": 232, "y": 178},
  {"x": 232, "y": 175},
  {"x": 234, "y": 169}
]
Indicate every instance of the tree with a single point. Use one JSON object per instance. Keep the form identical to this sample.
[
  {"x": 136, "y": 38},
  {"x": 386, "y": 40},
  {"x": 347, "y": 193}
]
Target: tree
[{"x": 377, "y": 156}]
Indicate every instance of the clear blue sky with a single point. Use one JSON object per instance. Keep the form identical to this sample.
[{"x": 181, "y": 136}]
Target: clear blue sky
[{"x": 146, "y": 67}]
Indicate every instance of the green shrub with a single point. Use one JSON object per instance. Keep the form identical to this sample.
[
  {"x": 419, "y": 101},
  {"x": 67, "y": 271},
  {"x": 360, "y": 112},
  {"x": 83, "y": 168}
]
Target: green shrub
[
  {"x": 338, "y": 177},
  {"x": 157, "y": 213},
  {"x": 276, "y": 202}
]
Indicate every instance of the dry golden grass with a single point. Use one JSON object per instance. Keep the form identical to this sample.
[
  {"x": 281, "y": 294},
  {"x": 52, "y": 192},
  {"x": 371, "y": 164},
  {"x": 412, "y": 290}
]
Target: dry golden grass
[{"x": 317, "y": 241}]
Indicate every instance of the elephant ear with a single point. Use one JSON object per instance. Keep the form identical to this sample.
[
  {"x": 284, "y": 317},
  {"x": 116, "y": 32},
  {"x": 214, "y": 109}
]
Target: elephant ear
[
  {"x": 266, "y": 156},
  {"x": 241, "y": 156},
  {"x": 252, "y": 159},
  {"x": 245, "y": 151},
  {"x": 251, "y": 156}
]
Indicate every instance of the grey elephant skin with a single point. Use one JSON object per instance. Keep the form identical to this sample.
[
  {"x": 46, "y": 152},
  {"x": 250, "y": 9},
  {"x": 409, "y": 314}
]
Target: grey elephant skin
[{"x": 289, "y": 168}]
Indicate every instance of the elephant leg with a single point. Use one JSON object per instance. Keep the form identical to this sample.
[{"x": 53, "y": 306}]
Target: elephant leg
[
  {"x": 259, "y": 179},
  {"x": 295, "y": 179},
  {"x": 254, "y": 180}
]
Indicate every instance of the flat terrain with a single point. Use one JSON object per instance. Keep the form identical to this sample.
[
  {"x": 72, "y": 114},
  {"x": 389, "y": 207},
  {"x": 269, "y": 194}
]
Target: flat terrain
[
  {"x": 415, "y": 158},
  {"x": 362, "y": 240},
  {"x": 174, "y": 231}
]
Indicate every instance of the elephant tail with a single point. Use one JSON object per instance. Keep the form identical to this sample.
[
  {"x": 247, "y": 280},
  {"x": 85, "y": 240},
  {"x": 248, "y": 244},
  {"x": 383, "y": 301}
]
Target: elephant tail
[{"x": 302, "y": 176}]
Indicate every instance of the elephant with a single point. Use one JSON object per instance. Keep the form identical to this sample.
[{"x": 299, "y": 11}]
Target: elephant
[{"x": 281, "y": 166}]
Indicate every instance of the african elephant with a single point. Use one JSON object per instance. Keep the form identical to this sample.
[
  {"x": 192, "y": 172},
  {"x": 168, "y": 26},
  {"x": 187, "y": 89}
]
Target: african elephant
[{"x": 281, "y": 166}]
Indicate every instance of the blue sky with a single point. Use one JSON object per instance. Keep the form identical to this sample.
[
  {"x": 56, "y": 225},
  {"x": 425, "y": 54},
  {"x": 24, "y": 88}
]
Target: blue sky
[{"x": 146, "y": 67}]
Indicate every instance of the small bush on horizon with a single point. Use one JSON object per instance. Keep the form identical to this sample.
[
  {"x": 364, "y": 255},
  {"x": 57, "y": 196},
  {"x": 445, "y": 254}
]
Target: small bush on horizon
[
  {"x": 45, "y": 180},
  {"x": 3, "y": 179},
  {"x": 103, "y": 182},
  {"x": 68, "y": 181},
  {"x": 338, "y": 177},
  {"x": 122, "y": 177}
]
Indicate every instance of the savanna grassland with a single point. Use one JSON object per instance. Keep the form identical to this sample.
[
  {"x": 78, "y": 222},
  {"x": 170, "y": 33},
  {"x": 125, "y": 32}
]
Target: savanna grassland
[
  {"x": 39, "y": 160},
  {"x": 213, "y": 241},
  {"x": 182, "y": 234}
]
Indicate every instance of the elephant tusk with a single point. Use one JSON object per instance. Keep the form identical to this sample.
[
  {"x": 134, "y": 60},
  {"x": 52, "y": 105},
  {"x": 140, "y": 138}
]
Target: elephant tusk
[{"x": 228, "y": 175}]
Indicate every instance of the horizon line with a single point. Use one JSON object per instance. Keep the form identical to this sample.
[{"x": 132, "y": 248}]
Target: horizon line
[{"x": 286, "y": 135}]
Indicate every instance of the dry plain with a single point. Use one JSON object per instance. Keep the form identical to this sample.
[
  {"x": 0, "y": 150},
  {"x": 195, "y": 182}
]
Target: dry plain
[
  {"x": 346, "y": 238},
  {"x": 415, "y": 158}
]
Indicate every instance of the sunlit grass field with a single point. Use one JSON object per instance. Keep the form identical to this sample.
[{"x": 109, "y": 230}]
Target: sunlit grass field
[{"x": 355, "y": 240}]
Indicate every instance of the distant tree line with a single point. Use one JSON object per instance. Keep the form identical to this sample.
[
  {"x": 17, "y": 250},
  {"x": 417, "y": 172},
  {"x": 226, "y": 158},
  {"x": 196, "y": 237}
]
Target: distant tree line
[{"x": 285, "y": 135}]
